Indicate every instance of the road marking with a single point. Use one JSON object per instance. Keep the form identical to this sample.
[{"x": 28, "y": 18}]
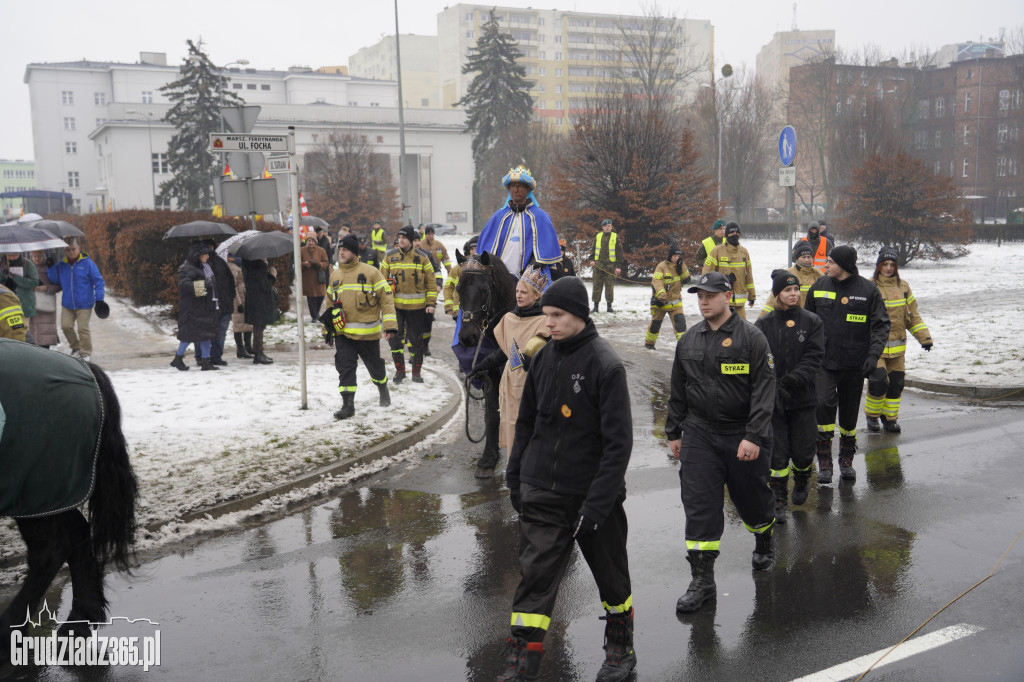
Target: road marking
[{"x": 912, "y": 647}]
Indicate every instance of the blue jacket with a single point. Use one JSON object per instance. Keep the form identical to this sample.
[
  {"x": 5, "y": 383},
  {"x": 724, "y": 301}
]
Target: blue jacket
[{"x": 82, "y": 282}]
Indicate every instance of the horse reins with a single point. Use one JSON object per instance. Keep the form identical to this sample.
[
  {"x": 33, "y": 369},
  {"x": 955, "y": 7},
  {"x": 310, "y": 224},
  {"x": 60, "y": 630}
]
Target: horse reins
[{"x": 467, "y": 317}]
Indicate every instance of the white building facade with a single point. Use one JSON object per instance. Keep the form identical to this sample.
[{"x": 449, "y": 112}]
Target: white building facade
[{"x": 419, "y": 68}]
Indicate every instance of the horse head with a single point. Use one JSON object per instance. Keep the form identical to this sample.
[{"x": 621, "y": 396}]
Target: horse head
[{"x": 486, "y": 292}]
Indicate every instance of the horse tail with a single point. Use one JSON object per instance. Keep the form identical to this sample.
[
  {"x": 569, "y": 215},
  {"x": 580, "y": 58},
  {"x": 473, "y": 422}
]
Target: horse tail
[{"x": 112, "y": 504}]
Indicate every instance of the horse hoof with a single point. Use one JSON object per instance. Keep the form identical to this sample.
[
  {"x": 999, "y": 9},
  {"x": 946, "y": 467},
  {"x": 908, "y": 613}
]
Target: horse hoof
[{"x": 484, "y": 472}]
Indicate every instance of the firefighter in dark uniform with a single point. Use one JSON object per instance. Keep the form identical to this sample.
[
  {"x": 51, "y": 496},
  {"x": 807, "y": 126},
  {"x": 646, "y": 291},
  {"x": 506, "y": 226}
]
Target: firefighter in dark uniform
[
  {"x": 719, "y": 426},
  {"x": 575, "y": 411},
  {"x": 797, "y": 340},
  {"x": 412, "y": 280},
  {"x": 856, "y": 329},
  {"x": 419, "y": 245},
  {"x": 368, "y": 254},
  {"x": 359, "y": 306}
]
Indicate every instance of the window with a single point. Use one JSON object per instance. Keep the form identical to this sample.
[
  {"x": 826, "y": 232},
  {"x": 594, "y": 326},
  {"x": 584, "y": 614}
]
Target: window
[
  {"x": 558, "y": 56},
  {"x": 1002, "y": 132},
  {"x": 425, "y": 102},
  {"x": 541, "y": 38},
  {"x": 70, "y": 147},
  {"x": 968, "y": 74},
  {"x": 965, "y": 167},
  {"x": 1001, "y": 167},
  {"x": 236, "y": 86},
  {"x": 264, "y": 86},
  {"x": 922, "y": 108},
  {"x": 558, "y": 121},
  {"x": 67, "y": 97},
  {"x": 558, "y": 88},
  {"x": 558, "y": 38},
  {"x": 940, "y": 108},
  {"x": 542, "y": 104},
  {"x": 351, "y": 104},
  {"x": 967, "y": 103},
  {"x": 863, "y": 107},
  {"x": 69, "y": 123},
  {"x": 938, "y": 167},
  {"x": 147, "y": 96},
  {"x": 469, "y": 33},
  {"x": 540, "y": 21},
  {"x": 863, "y": 79},
  {"x": 558, "y": 104},
  {"x": 540, "y": 71},
  {"x": 250, "y": 86},
  {"x": 72, "y": 179},
  {"x": 374, "y": 104},
  {"x": 938, "y": 140},
  {"x": 520, "y": 18},
  {"x": 100, "y": 98},
  {"x": 920, "y": 139},
  {"x": 469, "y": 16},
  {"x": 160, "y": 165},
  {"x": 558, "y": 73},
  {"x": 543, "y": 54},
  {"x": 967, "y": 131},
  {"x": 542, "y": 88},
  {"x": 879, "y": 91}
]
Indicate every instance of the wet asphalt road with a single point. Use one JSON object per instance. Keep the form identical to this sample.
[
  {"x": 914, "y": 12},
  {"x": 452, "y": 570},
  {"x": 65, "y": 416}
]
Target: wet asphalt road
[{"x": 409, "y": 575}]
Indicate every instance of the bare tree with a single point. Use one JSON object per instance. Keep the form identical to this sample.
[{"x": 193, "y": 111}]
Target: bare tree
[{"x": 747, "y": 150}]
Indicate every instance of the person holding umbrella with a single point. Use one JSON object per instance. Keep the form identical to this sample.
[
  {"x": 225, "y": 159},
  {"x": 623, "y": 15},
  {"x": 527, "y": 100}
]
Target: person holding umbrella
[
  {"x": 260, "y": 306},
  {"x": 198, "y": 306}
]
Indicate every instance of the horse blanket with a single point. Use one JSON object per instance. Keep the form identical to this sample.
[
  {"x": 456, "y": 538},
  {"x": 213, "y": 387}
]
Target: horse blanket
[{"x": 51, "y": 415}]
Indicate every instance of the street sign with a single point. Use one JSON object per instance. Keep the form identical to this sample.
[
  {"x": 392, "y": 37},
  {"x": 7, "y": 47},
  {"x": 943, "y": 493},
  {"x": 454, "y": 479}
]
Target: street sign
[
  {"x": 787, "y": 146},
  {"x": 787, "y": 177},
  {"x": 279, "y": 165},
  {"x": 240, "y": 119},
  {"x": 238, "y": 200},
  {"x": 246, "y": 164},
  {"x": 230, "y": 142}
]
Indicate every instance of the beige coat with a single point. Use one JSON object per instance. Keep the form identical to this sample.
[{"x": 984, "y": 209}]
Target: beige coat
[
  {"x": 510, "y": 390},
  {"x": 317, "y": 260},
  {"x": 238, "y": 325}
]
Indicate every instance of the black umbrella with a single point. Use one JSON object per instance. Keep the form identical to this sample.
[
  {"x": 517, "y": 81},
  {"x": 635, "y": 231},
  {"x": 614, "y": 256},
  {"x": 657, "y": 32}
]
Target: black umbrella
[
  {"x": 15, "y": 238},
  {"x": 60, "y": 228},
  {"x": 313, "y": 221},
  {"x": 198, "y": 228},
  {"x": 264, "y": 245}
]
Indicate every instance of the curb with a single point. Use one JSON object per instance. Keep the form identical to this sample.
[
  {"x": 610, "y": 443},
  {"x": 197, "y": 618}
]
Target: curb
[
  {"x": 386, "y": 449},
  {"x": 968, "y": 391}
]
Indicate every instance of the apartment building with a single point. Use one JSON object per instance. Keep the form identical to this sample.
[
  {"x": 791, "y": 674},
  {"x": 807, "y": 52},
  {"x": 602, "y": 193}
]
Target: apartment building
[{"x": 419, "y": 68}]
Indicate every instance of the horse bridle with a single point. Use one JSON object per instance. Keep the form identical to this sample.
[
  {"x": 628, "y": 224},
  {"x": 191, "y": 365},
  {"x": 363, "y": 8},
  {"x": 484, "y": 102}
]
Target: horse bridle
[{"x": 484, "y": 311}]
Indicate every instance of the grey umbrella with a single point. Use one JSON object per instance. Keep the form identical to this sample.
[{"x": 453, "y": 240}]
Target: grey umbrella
[
  {"x": 198, "y": 228},
  {"x": 264, "y": 245},
  {"x": 59, "y": 228},
  {"x": 15, "y": 238},
  {"x": 313, "y": 221}
]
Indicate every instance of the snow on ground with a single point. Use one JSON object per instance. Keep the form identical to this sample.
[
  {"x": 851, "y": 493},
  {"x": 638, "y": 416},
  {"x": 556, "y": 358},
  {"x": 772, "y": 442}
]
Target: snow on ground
[{"x": 973, "y": 306}]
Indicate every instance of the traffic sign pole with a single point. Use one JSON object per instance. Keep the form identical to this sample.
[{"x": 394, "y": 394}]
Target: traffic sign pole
[
  {"x": 297, "y": 264},
  {"x": 787, "y": 155}
]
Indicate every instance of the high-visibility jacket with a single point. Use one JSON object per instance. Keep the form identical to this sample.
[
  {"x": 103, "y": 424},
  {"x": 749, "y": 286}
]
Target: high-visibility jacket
[
  {"x": 440, "y": 252},
  {"x": 13, "y": 323},
  {"x": 378, "y": 240},
  {"x": 707, "y": 246},
  {"x": 821, "y": 252},
  {"x": 667, "y": 284},
  {"x": 365, "y": 297},
  {"x": 450, "y": 292},
  {"x": 733, "y": 260},
  {"x": 411, "y": 277},
  {"x": 807, "y": 277},
  {"x": 903, "y": 315},
  {"x": 612, "y": 241}
]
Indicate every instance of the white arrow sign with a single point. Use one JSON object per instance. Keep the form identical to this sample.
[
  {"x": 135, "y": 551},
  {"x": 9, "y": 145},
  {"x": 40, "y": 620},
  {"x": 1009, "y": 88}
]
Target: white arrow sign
[{"x": 230, "y": 142}]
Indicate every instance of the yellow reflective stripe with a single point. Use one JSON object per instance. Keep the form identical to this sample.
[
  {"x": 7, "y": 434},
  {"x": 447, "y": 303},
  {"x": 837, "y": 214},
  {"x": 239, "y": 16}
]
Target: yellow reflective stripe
[
  {"x": 825, "y": 294},
  {"x": 10, "y": 310},
  {"x": 409, "y": 266},
  {"x": 794, "y": 467},
  {"x": 729, "y": 264},
  {"x": 667, "y": 306},
  {"x": 624, "y": 607},
  {"x": 390, "y": 318},
  {"x": 658, "y": 275},
  {"x": 850, "y": 317},
  {"x": 826, "y": 428},
  {"x": 704, "y": 545},
  {"x": 750, "y": 286},
  {"x": 911, "y": 298},
  {"x": 650, "y": 337},
  {"x": 767, "y": 308},
  {"x": 531, "y": 620},
  {"x": 758, "y": 531},
  {"x": 346, "y": 389},
  {"x": 379, "y": 381},
  {"x": 847, "y": 432},
  {"x": 380, "y": 285},
  {"x": 804, "y": 288},
  {"x": 918, "y": 327},
  {"x": 411, "y": 298},
  {"x": 873, "y": 406},
  {"x": 895, "y": 303},
  {"x": 779, "y": 473},
  {"x": 891, "y": 408}
]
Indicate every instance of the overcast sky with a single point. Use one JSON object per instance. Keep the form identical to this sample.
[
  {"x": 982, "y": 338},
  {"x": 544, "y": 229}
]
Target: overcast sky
[{"x": 276, "y": 35}]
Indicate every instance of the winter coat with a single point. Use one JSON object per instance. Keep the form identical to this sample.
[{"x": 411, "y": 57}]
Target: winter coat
[
  {"x": 450, "y": 290},
  {"x": 518, "y": 326},
  {"x": 411, "y": 277},
  {"x": 238, "y": 324},
  {"x": 81, "y": 281},
  {"x": 856, "y": 323},
  {"x": 438, "y": 250},
  {"x": 370, "y": 256},
  {"x": 734, "y": 263},
  {"x": 197, "y": 315},
  {"x": 13, "y": 324},
  {"x": 574, "y": 431},
  {"x": 324, "y": 243},
  {"x": 317, "y": 259},
  {"x": 44, "y": 325},
  {"x": 797, "y": 340},
  {"x": 667, "y": 285},
  {"x": 26, "y": 282},
  {"x": 224, "y": 284},
  {"x": 903, "y": 316},
  {"x": 366, "y": 298},
  {"x": 260, "y": 297},
  {"x": 807, "y": 277},
  {"x": 723, "y": 382}
]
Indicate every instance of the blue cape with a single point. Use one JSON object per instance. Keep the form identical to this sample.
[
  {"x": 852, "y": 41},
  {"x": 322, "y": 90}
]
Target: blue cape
[{"x": 539, "y": 237}]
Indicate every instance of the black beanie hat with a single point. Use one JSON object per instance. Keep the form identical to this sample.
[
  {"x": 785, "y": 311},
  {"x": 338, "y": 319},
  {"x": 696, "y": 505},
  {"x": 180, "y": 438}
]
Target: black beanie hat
[
  {"x": 673, "y": 250},
  {"x": 801, "y": 248},
  {"x": 845, "y": 256},
  {"x": 887, "y": 253},
  {"x": 569, "y": 294},
  {"x": 409, "y": 232},
  {"x": 350, "y": 242},
  {"x": 732, "y": 227},
  {"x": 782, "y": 279}
]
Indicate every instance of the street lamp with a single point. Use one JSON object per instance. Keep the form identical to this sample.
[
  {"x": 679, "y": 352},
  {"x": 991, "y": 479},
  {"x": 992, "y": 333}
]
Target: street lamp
[
  {"x": 152, "y": 166},
  {"x": 726, "y": 73}
]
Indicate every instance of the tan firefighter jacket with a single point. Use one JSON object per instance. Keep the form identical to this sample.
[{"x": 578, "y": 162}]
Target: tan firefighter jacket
[
  {"x": 365, "y": 297},
  {"x": 733, "y": 260},
  {"x": 903, "y": 316},
  {"x": 667, "y": 284},
  {"x": 411, "y": 277}
]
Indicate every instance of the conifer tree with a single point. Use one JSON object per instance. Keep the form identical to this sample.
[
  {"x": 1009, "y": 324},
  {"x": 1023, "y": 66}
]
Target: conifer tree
[{"x": 198, "y": 95}]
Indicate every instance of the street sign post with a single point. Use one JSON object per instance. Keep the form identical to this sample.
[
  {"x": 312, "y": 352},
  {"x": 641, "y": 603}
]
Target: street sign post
[
  {"x": 787, "y": 177},
  {"x": 231, "y": 142}
]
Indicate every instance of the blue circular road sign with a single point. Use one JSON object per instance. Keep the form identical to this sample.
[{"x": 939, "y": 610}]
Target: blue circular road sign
[{"x": 787, "y": 146}]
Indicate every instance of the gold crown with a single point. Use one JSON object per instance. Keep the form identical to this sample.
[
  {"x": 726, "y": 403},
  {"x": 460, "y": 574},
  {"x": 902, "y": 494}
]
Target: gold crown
[{"x": 535, "y": 278}]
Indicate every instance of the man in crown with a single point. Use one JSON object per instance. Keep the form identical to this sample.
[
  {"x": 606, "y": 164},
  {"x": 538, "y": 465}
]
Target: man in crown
[{"x": 520, "y": 233}]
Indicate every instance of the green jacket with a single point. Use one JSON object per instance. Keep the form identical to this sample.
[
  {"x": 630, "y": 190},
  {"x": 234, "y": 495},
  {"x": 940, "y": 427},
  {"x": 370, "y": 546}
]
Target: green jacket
[{"x": 26, "y": 282}]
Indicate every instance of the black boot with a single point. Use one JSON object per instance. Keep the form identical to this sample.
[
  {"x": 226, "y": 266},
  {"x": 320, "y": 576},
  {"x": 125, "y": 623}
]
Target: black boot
[
  {"x": 247, "y": 340},
  {"x": 800, "y": 479},
  {"x": 348, "y": 406},
  {"x": 824, "y": 461},
  {"x": 847, "y": 448},
  {"x": 619, "y": 656},
  {"x": 399, "y": 370},
  {"x": 206, "y": 364},
  {"x": 702, "y": 586},
  {"x": 179, "y": 363},
  {"x": 417, "y": 378},
  {"x": 261, "y": 359},
  {"x": 595, "y": 307},
  {"x": 873, "y": 425},
  {"x": 240, "y": 351},
  {"x": 764, "y": 550},
  {"x": 385, "y": 397},
  {"x": 891, "y": 425},
  {"x": 522, "y": 660},
  {"x": 780, "y": 486},
  {"x": 609, "y": 306}
]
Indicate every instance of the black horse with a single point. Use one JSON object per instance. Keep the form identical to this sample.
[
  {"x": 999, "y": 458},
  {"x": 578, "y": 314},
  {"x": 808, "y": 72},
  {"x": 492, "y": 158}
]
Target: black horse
[
  {"x": 54, "y": 537},
  {"x": 486, "y": 292}
]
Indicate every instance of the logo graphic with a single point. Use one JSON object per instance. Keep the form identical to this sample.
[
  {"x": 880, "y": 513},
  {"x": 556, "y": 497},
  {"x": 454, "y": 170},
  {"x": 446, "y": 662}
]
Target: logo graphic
[
  {"x": 566, "y": 412},
  {"x": 218, "y": 143},
  {"x": 84, "y": 649},
  {"x": 577, "y": 378},
  {"x": 704, "y": 279},
  {"x": 726, "y": 343},
  {"x": 844, "y": 300},
  {"x": 790, "y": 323}
]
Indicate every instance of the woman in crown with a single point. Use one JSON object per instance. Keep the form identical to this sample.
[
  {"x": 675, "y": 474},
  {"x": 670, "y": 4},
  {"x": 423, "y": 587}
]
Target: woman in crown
[{"x": 520, "y": 233}]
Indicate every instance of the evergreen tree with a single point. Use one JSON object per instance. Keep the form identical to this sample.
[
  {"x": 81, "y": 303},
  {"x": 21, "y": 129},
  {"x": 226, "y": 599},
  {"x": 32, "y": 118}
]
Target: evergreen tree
[
  {"x": 198, "y": 95},
  {"x": 498, "y": 96}
]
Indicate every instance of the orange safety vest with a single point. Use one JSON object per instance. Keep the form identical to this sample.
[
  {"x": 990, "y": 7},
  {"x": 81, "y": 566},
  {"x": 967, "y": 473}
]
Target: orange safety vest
[{"x": 820, "y": 259}]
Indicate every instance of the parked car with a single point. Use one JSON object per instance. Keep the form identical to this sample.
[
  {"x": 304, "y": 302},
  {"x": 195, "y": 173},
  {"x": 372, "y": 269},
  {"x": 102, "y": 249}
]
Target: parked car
[{"x": 440, "y": 229}]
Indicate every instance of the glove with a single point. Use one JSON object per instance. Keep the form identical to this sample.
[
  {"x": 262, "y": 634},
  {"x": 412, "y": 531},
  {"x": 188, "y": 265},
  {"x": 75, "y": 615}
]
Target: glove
[
  {"x": 927, "y": 346},
  {"x": 241, "y": 308},
  {"x": 790, "y": 382},
  {"x": 199, "y": 286},
  {"x": 513, "y": 497},
  {"x": 583, "y": 528},
  {"x": 654, "y": 300},
  {"x": 869, "y": 366},
  {"x": 49, "y": 261},
  {"x": 102, "y": 309}
]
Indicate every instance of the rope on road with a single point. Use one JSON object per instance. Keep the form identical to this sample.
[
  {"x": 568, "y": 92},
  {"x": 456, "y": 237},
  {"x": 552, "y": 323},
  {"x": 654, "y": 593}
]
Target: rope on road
[{"x": 916, "y": 630}]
